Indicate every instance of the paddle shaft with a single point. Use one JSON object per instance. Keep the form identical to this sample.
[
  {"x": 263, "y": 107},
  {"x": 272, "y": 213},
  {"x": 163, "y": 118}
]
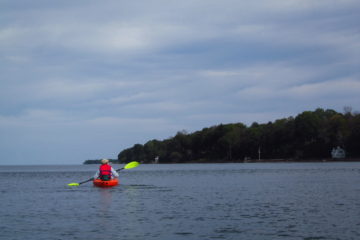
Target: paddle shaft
[{"x": 86, "y": 181}]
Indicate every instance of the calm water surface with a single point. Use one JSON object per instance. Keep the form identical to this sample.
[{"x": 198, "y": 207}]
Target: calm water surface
[{"x": 183, "y": 201}]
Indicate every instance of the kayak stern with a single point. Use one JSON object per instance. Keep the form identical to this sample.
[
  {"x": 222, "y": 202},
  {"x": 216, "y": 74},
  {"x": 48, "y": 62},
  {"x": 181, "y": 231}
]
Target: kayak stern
[{"x": 111, "y": 183}]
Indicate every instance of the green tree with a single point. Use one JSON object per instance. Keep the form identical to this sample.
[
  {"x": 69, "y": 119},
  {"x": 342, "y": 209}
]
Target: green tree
[{"x": 311, "y": 134}]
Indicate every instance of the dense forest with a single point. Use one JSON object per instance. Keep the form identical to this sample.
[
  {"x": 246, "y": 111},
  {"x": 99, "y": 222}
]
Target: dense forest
[{"x": 311, "y": 135}]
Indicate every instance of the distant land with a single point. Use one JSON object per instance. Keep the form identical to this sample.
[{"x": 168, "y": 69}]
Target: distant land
[
  {"x": 309, "y": 136},
  {"x": 98, "y": 161}
]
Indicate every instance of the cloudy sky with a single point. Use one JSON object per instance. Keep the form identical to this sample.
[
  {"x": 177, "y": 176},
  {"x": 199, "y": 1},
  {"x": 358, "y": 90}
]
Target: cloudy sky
[{"x": 86, "y": 79}]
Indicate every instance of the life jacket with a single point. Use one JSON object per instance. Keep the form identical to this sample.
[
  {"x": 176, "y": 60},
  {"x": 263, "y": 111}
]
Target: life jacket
[{"x": 105, "y": 172}]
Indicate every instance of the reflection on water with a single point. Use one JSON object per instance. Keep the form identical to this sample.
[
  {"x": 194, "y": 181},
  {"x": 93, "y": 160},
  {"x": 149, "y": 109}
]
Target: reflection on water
[
  {"x": 104, "y": 215},
  {"x": 105, "y": 200},
  {"x": 187, "y": 201}
]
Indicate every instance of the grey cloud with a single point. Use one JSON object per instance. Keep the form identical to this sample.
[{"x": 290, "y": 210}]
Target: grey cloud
[{"x": 130, "y": 71}]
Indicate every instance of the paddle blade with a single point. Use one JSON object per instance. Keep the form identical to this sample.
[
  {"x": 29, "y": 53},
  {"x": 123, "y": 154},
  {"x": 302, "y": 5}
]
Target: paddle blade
[
  {"x": 73, "y": 184},
  {"x": 131, "y": 165}
]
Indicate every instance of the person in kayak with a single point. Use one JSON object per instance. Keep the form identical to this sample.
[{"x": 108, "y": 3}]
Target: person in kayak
[{"x": 105, "y": 172}]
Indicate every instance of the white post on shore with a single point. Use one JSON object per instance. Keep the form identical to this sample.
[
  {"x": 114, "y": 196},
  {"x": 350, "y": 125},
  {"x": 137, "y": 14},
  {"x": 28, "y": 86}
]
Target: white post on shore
[{"x": 259, "y": 151}]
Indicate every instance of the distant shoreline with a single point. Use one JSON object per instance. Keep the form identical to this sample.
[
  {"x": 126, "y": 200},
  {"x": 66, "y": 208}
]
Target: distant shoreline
[
  {"x": 98, "y": 161},
  {"x": 306, "y": 160},
  {"x": 278, "y": 161},
  {"x": 113, "y": 161}
]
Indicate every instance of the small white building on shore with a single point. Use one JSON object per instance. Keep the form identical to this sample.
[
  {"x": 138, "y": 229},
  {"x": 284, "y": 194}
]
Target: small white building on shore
[{"x": 338, "y": 152}]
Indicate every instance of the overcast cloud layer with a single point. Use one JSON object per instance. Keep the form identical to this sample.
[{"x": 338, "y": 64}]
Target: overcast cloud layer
[{"x": 86, "y": 79}]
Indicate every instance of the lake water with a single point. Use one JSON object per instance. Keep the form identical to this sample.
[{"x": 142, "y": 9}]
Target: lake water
[{"x": 183, "y": 201}]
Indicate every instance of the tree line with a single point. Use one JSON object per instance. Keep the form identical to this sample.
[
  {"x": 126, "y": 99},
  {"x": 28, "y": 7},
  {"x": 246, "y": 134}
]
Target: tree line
[{"x": 310, "y": 135}]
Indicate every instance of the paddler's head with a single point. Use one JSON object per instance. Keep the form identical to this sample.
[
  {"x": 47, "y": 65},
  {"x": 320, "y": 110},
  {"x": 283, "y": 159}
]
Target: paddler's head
[{"x": 104, "y": 161}]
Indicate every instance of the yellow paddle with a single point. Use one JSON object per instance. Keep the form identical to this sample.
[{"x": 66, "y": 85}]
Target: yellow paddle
[{"x": 127, "y": 166}]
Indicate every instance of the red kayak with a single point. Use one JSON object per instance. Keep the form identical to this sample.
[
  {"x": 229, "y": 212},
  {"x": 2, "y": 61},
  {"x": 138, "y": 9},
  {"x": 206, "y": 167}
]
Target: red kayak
[{"x": 110, "y": 183}]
